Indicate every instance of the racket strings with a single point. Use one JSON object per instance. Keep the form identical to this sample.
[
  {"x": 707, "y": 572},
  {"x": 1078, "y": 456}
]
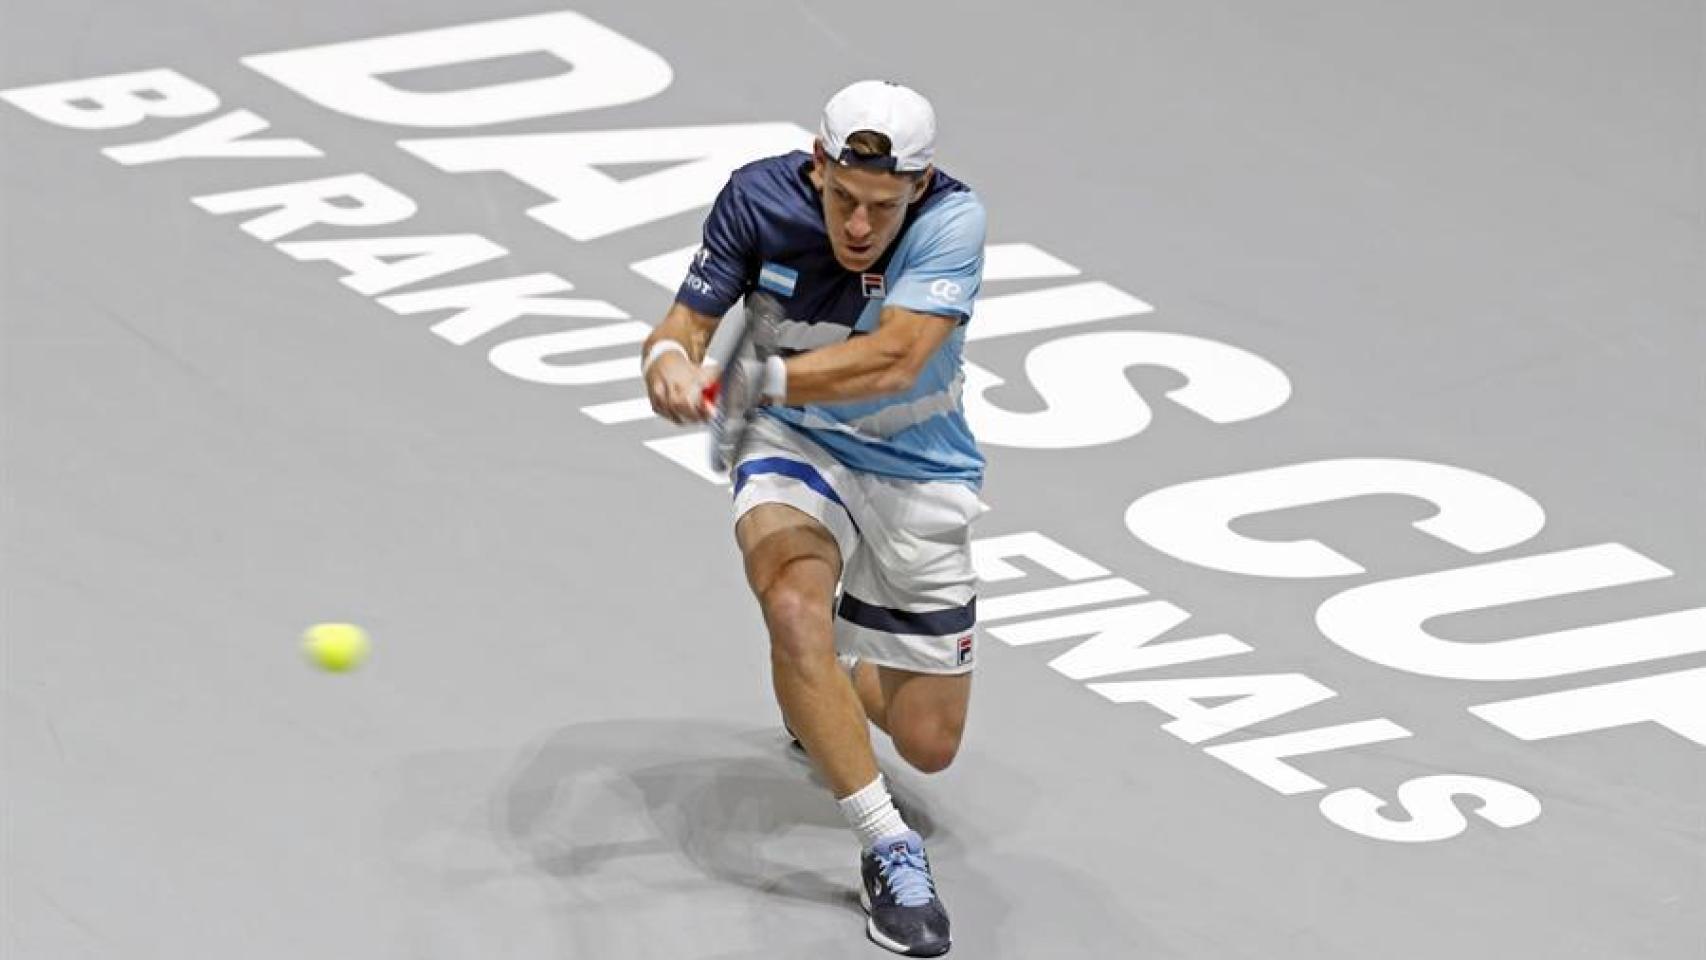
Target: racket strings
[
  {"x": 737, "y": 394},
  {"x": 741, "y": 381}
]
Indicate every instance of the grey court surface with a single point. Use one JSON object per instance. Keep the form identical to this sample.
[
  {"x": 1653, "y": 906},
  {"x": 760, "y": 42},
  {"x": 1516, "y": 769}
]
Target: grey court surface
[{"x": 1453, "y": 234}]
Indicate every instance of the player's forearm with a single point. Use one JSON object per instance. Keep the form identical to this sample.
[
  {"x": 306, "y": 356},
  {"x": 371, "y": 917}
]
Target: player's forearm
[
  {"x": 686, "y": 327},
  {"x": 856, "y": 369}
]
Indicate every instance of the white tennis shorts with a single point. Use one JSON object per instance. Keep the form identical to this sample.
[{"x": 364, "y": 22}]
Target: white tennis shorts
[{"x": 908, "y": 589}]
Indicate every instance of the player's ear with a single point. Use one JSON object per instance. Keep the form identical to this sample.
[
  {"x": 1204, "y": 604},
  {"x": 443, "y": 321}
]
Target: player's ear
[{"x": 922, "y": 183}]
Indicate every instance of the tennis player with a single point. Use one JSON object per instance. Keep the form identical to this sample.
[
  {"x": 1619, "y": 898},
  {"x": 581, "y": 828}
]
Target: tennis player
[{"x": 856, "y": 494}]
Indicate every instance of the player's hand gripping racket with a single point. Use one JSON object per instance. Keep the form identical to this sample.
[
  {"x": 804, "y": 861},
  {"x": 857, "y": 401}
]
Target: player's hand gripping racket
[{"x": 738, "y": 350}]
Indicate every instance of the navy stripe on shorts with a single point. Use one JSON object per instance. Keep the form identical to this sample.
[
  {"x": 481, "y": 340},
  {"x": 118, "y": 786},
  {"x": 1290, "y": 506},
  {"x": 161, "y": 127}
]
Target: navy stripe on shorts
[{"x": 932, "y": 623}]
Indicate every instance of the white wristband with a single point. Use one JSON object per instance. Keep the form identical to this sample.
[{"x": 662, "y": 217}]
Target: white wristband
[
  {"x": 658, "y": 350},
  {"x": 774, "y": 386}
]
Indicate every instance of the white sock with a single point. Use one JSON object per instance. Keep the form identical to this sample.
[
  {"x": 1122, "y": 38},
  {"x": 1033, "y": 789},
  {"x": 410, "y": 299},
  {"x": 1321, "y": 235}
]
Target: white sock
[{"x": 871, "y": 813}]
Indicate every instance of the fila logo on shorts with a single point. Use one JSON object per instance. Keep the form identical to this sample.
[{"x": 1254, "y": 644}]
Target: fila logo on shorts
[
  {"x": 872, "y": 284},
  {"x": 965, "y": 649}
]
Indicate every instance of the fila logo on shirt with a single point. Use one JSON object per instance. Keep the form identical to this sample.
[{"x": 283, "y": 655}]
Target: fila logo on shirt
[{"x": 872, "y": 284}]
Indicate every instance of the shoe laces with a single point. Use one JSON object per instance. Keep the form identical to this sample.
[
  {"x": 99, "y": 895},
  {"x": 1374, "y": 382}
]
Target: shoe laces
[{"x": 907, "y": 875}]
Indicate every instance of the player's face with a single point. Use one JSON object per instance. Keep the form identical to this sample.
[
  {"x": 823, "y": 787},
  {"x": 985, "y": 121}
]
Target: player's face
[{"x": 863, "y": 210}]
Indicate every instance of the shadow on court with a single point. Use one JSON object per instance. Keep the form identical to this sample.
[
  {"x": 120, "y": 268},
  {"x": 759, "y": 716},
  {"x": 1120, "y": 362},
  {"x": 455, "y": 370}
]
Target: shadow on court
[
  {"x": 727, "y": 817},
  {"x": 690, "y": 839},
  {"x": 733, "y": 803}
]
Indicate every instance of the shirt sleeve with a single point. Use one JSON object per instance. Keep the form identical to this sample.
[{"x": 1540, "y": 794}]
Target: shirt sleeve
[
  {"x": 945, "y": 269},
  {"x": 727, "y": 257}
]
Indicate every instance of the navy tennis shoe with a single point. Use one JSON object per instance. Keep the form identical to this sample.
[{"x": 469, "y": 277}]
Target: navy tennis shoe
[{"x": 899, "y": 895}]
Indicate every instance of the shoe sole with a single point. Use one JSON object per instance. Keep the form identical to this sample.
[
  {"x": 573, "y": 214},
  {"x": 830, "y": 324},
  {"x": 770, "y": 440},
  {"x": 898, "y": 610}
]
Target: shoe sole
[{"x": 877, "y": 937}]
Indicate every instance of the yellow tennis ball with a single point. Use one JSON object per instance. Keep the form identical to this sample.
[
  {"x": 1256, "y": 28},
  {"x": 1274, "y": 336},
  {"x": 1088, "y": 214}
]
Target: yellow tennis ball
[{"x": 337, "y": 647}]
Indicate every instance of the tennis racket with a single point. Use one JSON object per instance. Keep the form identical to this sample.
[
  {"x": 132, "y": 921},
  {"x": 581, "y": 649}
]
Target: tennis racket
[{"x": 737, "y": 352}]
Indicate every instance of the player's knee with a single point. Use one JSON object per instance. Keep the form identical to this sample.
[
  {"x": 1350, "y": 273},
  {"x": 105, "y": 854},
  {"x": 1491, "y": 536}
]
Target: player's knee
[
  {"x": 929, "y": 751},
  {"x": 790, "y": 608},
  {"x": 798, "y": 619}
]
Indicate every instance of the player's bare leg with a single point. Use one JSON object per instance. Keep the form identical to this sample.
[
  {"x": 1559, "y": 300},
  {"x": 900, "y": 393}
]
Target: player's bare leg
[
  {"x": 793, "y": 565},
  {"x": 869, "y": 687},
  {"x": 924, "y": 714}
]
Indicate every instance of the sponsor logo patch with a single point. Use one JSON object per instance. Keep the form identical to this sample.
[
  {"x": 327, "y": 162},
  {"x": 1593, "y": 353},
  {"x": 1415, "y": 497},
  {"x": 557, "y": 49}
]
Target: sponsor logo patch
[
  {"x": 965, "y": 649},
  {"x": 778, "y": 279},
  {"x": 945, "y": 291},
  {"x": 873, "y": 285}
]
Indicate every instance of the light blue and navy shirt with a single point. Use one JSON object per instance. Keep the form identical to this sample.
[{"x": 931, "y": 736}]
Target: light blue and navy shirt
[{"x": 766, "y": 230}]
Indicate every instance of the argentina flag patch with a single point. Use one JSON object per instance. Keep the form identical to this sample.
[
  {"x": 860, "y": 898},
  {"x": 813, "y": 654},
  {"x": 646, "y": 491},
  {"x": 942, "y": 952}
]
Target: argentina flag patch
[{"x": 778, "y": 279}]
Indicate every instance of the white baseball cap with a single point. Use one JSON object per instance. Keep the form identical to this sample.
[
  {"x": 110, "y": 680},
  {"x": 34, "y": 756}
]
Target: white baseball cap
[{"x": 897, "y": 112}]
